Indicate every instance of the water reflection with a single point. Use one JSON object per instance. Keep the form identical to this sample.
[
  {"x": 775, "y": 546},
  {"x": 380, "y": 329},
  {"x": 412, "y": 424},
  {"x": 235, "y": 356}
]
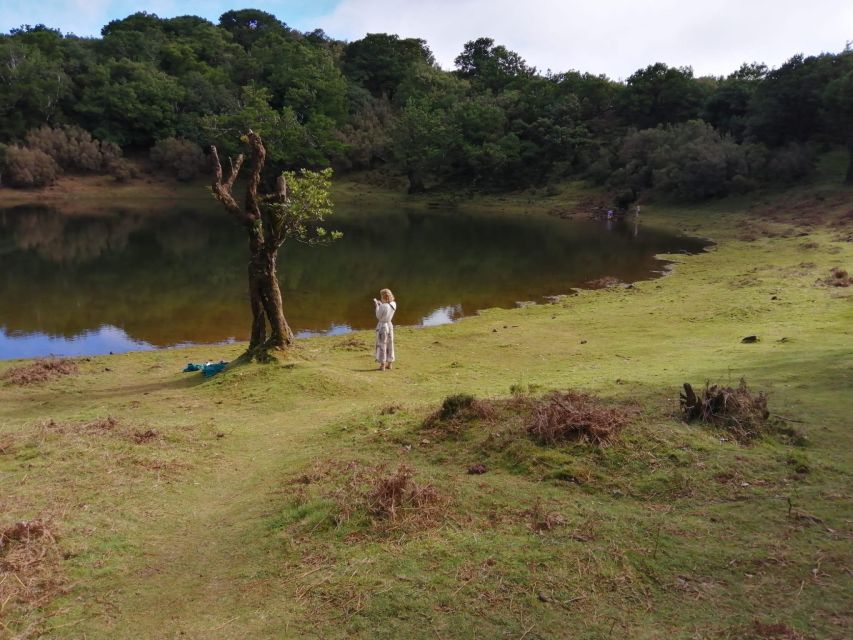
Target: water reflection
[
  {"x": 74, "y": 283},
  {"x": 442, "y": 315},
  {"x": 103, "y": 340}
]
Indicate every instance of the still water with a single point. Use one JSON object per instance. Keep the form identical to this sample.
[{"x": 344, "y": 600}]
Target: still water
[{"x": 76, "y": 283}]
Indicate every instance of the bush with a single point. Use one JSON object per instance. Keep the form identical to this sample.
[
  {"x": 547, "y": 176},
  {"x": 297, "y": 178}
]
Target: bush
[
  {"x": 73, "y": 148},
  {"x": 183, "y": 159},
  {"x": 121, "y": 169},
  {"x": 790, "y": 163},
  {"x": 22, "y": 167},
  {"x": 691, "y": 161}
]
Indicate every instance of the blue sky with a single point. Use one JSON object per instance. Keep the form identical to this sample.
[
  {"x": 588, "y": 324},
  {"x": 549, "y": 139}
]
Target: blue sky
[
  {"x": 86, "y": 17},
  {"x": 614, "y": 37}
]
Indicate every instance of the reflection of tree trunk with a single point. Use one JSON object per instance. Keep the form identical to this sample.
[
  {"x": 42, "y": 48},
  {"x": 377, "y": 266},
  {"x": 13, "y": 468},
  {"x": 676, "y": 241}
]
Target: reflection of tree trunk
[{"x": 416, "y": 181}]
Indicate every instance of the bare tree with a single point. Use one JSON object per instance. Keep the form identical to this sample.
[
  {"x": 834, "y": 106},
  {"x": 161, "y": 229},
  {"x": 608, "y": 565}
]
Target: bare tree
[{"x": 295, "y": 212}]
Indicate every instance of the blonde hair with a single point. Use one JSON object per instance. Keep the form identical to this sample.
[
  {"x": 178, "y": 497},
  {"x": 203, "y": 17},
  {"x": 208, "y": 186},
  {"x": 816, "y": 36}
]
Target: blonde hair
[{"x": 386, "y": 295}]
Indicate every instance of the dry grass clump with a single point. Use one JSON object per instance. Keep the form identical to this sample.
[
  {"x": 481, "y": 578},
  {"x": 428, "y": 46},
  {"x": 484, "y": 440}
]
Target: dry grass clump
[
  {"x": 770, "y": 631},
  {"x": 542, "y": 520},
  {"x": 394, "y": 495},
  {"x": 370, "y": 498},
  {"x": 29, "y": 567},
  {"x": 351, "y": 343},
  {"x": 92, "y": 427},
  {"x": 838, "y": 277},
  {"x": 458, "y": 409},
  {"x": 141, "y": 437},
  {"x": 580, "y": 417},
  {"x": 40, "y": 371},
  {"x": 7, "y": 444},
  {"x": 738, "y": 411}
]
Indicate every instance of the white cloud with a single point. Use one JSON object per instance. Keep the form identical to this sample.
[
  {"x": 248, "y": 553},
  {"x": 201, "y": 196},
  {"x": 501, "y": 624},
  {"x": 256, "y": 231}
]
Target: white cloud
[{"x": 615, "y": 37}]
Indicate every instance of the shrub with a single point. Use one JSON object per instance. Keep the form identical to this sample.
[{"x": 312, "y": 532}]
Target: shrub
[
  {"x": 73, "y": 148},
  {"x": 790, "y": 163},
  {"x": 454, "y": 405},
  {"x": 691, "y": 161},
  {"x": 22, "y": 167},
  {"x": 121, "y": 169},
  {"x": 183, "y": 159}
]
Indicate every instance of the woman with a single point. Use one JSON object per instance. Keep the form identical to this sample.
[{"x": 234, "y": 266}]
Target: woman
[{"x": 385, "y": 308}]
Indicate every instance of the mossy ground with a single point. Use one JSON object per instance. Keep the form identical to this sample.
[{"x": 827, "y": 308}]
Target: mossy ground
[{"x": 228, "y": 524}]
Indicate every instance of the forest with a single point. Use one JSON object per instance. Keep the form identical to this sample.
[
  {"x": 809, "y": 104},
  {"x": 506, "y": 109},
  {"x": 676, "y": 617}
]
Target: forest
[{"x": 163, "y": 90}]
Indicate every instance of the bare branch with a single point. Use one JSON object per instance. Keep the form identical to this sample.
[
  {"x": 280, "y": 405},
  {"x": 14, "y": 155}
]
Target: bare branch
[
  {"x": 259, "y": 154},
  {"x": 222, "y": 190}
]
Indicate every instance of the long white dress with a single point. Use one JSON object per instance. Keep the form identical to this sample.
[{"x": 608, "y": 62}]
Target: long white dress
[{"x": 385, "y": 332}]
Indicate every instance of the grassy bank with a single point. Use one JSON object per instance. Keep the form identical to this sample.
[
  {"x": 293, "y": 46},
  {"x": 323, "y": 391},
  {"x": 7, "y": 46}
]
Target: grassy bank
[{"x": 245, "y": 505}]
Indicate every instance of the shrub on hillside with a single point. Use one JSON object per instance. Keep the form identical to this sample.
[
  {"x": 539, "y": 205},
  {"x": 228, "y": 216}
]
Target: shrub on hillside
[
  {"x": 121, "y": 169},
  {"x": 183, "y": 159},
  {"x": 22, "y": 167},
  {"x": 790, "y": 163},
  {"x": 73, "y": 148},
  {"x": 691, "y": 161}
]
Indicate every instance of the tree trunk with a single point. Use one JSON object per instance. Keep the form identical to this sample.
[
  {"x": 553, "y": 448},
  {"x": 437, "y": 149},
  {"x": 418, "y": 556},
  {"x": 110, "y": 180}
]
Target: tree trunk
[
  {"x": 263, "y": 282},
  {"x": 849, "y": 178},
  {"x": 416, "y": 182},
  {"x": 264, "y": 291}
]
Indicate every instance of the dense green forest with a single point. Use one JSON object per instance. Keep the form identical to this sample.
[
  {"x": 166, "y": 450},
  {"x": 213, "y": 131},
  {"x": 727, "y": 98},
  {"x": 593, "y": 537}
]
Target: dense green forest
[{"x": 165, "y": 89}]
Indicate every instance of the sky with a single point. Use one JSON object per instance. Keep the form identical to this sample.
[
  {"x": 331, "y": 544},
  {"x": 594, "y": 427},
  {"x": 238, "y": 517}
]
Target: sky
[{"x": 612, "y": 37}]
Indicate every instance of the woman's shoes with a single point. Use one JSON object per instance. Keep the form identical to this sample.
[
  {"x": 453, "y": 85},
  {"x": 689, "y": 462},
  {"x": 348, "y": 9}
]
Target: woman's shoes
[{"x": 385, "y": 365}]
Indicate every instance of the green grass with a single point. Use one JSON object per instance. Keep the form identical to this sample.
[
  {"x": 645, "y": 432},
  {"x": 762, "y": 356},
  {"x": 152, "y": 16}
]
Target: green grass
[{"x": 242, "y": 518}]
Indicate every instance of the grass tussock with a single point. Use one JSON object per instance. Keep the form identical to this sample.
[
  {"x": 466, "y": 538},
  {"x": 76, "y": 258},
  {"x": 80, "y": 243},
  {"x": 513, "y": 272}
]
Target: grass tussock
[
  {"x": 40, "y": 371},
  {"x": 741, "y": 413},
  {"x": 459, "y": 409},
  {"x": 393, "y": 495},
  {"x": 91, "y": 427},
  {"x": 30, "y": 569},
  {"x": 578, "y": 417},
  {"x": 355, "y": 498},
  {"x": 838, "y": 277},
  {"x": 351, "y": 343}
]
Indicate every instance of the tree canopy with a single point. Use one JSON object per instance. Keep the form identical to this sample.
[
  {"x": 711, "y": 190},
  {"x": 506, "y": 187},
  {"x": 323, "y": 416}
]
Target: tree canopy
[{"x": 382, "y": 102}]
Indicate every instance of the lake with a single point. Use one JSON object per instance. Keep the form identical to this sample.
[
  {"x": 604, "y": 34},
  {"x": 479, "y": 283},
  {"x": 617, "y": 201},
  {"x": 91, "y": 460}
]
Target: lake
[{"x": 75, "y": 283}]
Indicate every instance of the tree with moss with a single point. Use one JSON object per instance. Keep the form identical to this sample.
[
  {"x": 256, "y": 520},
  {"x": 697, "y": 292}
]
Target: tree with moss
[{"x": 295, "y": 210}]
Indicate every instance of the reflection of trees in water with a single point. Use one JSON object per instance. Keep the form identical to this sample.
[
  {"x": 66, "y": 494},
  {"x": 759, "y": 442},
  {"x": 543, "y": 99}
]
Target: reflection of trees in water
[
  {"x": 67, "y": 239},
  {"x": 180, "y": 276}
]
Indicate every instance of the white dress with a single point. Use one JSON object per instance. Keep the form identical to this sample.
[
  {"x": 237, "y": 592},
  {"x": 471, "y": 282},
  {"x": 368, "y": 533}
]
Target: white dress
[{"x": 385, "y": 332}]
